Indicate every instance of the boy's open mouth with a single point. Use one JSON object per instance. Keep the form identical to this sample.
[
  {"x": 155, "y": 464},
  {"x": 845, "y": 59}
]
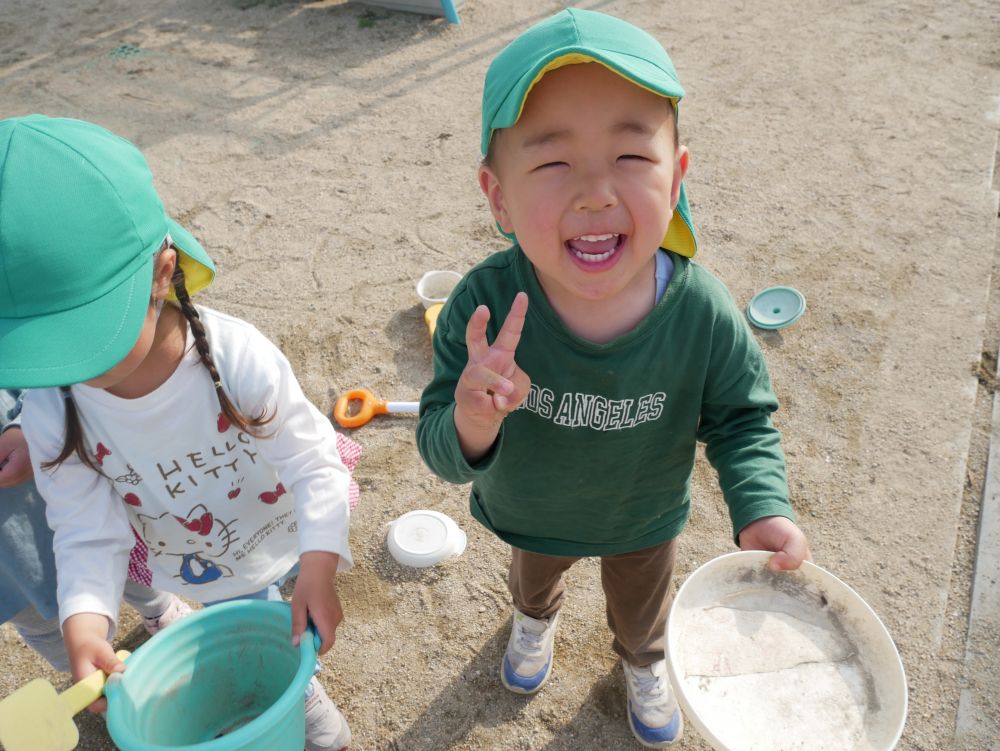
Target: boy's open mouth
[{"x": 595, "y": 248}]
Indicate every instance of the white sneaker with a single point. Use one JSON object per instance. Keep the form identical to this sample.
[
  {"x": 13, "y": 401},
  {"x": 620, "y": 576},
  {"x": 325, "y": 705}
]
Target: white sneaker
[
  {"x": 326, "y": 728},
  {"x": 528, "y": 659},
  {"x": 653, "y": 713},
  {"x": 176, "y": 610}
]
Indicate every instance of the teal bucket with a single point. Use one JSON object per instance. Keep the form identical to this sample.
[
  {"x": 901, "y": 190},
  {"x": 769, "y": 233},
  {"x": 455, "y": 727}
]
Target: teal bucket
[{"x": 226, "y": 678}]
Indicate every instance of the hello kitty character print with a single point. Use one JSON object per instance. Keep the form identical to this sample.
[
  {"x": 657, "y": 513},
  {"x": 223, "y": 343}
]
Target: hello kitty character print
[{"x": 196, "y": 538}]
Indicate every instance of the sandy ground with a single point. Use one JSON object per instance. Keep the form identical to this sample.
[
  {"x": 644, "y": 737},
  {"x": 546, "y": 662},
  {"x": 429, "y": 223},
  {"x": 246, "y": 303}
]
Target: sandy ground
[{"x": 325, "y": 154}]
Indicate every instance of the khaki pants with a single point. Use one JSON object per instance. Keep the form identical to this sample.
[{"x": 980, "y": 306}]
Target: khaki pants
[{"x": 636, "y": 590}]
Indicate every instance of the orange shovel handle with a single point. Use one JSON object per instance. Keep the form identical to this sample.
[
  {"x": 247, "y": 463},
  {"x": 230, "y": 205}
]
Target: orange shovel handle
[{"x": 371, "y": 405}]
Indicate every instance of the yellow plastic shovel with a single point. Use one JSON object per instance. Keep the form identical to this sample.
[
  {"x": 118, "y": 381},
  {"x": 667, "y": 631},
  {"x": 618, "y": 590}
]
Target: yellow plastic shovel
[{"x": 36, "y": 718}]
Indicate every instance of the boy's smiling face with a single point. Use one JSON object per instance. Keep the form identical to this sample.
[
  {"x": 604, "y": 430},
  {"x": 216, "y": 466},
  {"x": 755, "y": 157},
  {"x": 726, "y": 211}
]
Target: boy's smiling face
[{"x": 588, "y": 179}]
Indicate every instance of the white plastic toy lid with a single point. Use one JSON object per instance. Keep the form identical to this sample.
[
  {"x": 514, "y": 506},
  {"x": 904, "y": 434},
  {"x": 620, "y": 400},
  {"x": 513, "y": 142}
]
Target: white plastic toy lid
[
  {"x": 765, "y": 661},
  {"x": 422, "y": 538}
]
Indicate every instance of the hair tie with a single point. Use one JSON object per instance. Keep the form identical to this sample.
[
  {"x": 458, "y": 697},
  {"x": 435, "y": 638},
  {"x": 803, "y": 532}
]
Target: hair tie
[{"x": 218, "y": 384}]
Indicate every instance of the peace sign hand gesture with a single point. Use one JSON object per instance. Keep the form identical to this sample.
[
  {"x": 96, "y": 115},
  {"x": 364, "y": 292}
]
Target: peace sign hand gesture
[{"x": 492, "y": 385}]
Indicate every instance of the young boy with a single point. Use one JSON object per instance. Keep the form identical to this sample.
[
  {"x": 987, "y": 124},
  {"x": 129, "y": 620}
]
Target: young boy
[{"x": 577, "y": 426}]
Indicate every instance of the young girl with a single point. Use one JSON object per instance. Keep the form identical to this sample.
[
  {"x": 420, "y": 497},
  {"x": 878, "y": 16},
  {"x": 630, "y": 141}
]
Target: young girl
[{"x": 184, "y": 452}]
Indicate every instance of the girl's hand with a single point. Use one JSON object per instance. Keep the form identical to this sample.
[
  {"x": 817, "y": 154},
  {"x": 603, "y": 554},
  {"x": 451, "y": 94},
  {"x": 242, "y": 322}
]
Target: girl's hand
[
  {"x": 781, "y": 535},
  {"x": 86, "y": 638},
  {"x": 15, "y": 467},
  {"x": 315, "y": 597},
  {"x": 492, "y": 385}
]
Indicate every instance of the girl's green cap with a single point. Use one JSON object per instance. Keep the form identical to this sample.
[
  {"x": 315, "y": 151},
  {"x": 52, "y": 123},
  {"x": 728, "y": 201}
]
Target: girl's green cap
[
  {"x": 582, "y": 36},
  {"x": 80, "y": 225}
]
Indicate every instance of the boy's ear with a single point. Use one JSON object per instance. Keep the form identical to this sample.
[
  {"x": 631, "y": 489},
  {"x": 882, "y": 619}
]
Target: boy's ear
[
  {"x": 163, "y": 270},
  {"x": 490, "y": 185},
  {"x": 681, "y": 162}
]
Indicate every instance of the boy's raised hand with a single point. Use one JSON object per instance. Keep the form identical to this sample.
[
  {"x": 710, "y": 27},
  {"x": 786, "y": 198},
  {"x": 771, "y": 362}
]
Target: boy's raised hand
[
  {"x": 780, "y": 535},
  {"x": 492, "y": 385}
]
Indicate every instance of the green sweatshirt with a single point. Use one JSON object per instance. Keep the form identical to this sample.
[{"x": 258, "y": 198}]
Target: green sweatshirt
[{"x": 598, "y": 459}]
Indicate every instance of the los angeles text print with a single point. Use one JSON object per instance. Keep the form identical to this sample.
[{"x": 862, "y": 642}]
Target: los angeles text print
[{"x": 575, "y": 409}]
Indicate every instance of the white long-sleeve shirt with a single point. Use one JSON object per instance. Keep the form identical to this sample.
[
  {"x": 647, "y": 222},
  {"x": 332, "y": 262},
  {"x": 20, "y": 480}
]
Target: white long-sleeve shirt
[{"x": 213, "y": 512}]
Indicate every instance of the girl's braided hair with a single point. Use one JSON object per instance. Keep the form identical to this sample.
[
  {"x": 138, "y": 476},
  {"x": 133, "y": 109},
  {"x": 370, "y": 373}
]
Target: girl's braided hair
[
  {"x": 251, "y": 425},
  {"x": 74, "y": 440}
]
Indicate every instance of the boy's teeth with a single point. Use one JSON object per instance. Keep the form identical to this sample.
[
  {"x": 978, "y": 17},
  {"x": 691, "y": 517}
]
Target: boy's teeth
[
  {"x": 594, "y": 248},
  {"x": 593, "y": 257}
]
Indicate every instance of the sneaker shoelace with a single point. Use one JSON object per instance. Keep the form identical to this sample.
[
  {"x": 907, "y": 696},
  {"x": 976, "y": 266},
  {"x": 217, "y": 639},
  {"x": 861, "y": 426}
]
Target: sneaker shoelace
[
  {"x": 649, "y": 688},
  {"x": 530, "y": 641}
]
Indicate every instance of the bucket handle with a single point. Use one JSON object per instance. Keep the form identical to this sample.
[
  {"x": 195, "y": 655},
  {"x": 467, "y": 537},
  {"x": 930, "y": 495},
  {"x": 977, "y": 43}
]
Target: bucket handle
[{"x": 317, "y": 640}]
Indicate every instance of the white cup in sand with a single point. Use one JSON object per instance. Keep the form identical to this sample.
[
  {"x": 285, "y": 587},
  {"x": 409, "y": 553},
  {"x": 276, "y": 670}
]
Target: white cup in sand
[{"x": 435, "y": 286}]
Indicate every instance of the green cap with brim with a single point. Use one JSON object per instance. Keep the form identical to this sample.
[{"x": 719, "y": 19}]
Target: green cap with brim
[
  {"x": 582, "y": 36},
  {"x": 80, "y": 226}
]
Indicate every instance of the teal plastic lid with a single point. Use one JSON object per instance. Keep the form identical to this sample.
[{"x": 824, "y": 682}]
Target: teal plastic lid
[{"x": 776, "y": 307}]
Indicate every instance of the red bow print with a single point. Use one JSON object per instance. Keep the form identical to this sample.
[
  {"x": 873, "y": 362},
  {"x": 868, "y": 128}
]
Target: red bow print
[
  {"x": 201, "y": 525},
  {"x": 102, "y": 451},
  {"x": 268, "y": 497}
]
